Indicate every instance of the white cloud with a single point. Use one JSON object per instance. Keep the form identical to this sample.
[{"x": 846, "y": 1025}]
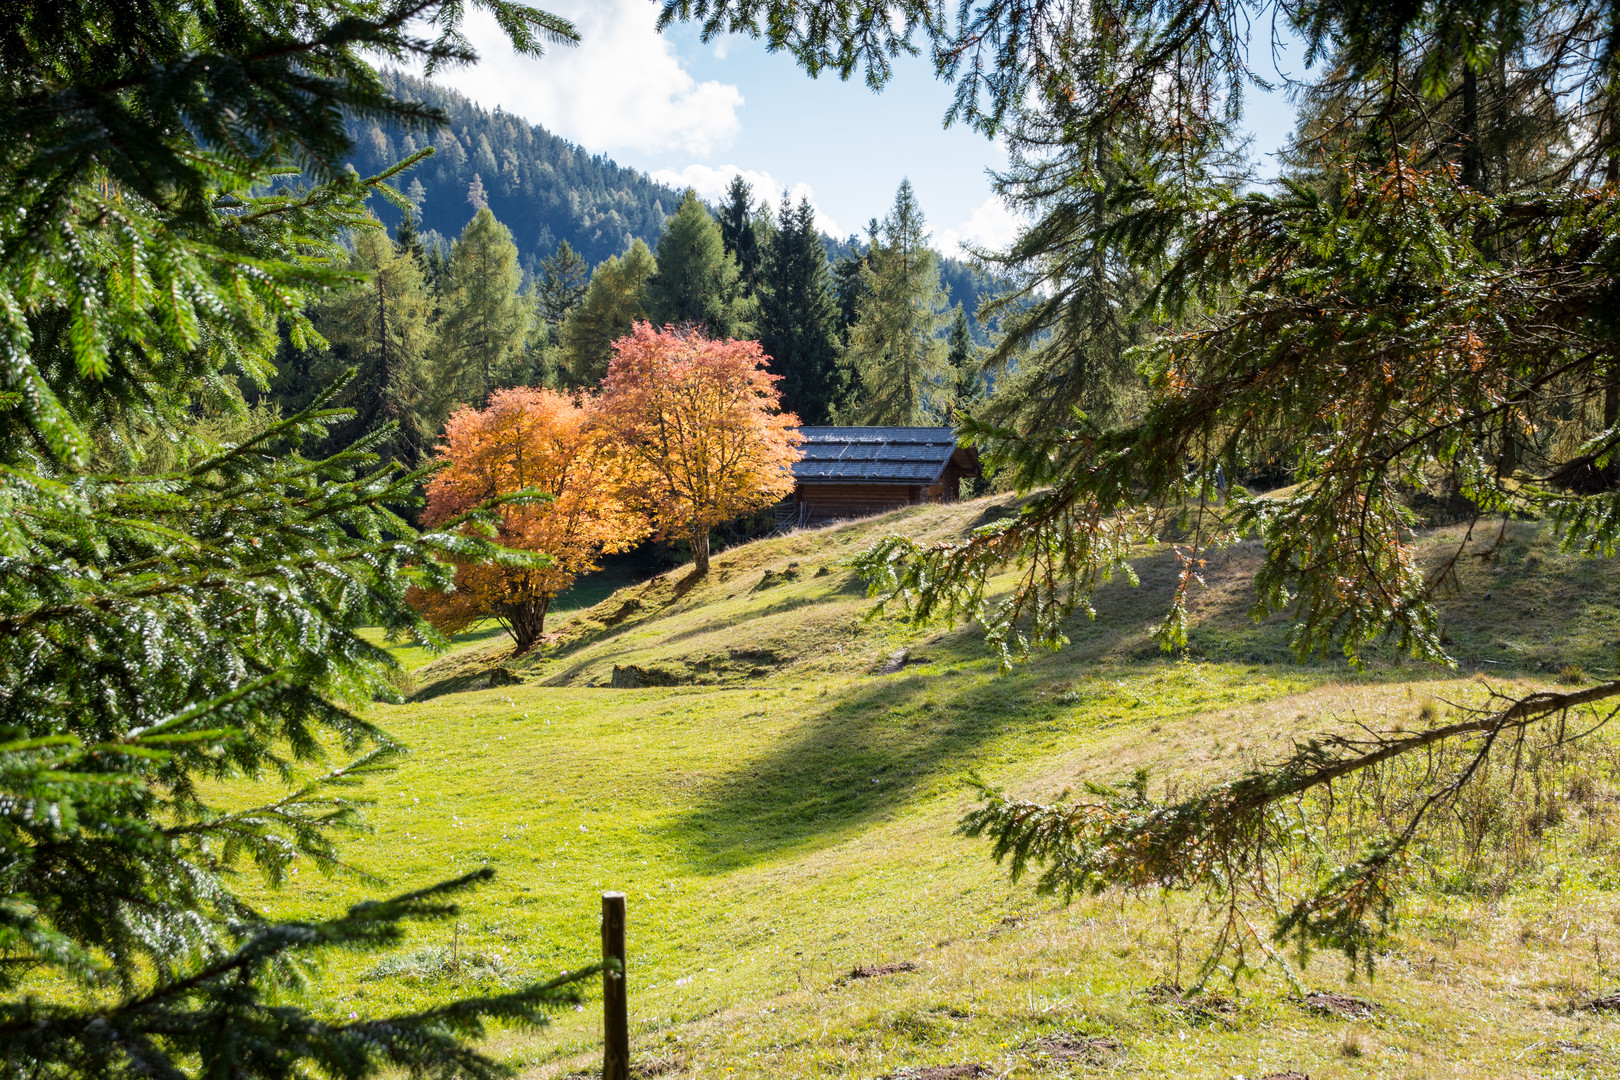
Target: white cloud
[
  {"x": 622, "y": 88},
  {"x": 991, "y": 225},
  {"x": 711, "y": 182}
]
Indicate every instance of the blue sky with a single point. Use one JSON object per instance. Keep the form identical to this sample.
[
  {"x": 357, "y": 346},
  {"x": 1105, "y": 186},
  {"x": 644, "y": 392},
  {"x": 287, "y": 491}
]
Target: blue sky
[{"x": 690, "y": 113}]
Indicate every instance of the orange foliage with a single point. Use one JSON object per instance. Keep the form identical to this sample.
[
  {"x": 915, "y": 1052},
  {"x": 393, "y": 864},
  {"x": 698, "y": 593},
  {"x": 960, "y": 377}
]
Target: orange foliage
[
  {"x": 528, "y": 438},
  {"x": 702, "y": 421}
]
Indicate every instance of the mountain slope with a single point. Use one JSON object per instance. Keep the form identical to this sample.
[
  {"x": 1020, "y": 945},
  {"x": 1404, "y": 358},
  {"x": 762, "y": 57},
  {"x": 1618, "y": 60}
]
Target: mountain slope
[{"x": 541, "y": 186}]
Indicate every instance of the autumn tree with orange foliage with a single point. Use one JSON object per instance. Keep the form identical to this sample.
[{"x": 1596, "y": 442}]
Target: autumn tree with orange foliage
[
  {"x": 538, "y": 440},
  {"x": 701, "y": 422}
]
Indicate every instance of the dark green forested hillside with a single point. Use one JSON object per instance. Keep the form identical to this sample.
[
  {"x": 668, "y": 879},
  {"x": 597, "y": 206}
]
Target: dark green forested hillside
[{"x": 542, "y": 187}]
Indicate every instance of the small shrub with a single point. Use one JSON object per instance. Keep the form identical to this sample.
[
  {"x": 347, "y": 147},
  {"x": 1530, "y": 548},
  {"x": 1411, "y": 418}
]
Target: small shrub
[{"x": 1571, "y": 675}]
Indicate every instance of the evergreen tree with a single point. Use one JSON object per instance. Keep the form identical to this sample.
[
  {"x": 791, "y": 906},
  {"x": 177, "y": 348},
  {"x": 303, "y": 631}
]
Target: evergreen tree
[
  {"x": 484, "y": 318},
  {"x": 850, "y": 284},
  {"x": 895, "y": 346},
  {"x": 798, "y": 317},
  {"x": 561, "y": 286},
  {"x": 1069, "y": 324},
  {"x": 172, "y": 627},
  {"x": 408, "y": 241},
  {"x": 697, "y": 283},
  {"x": 435, "y": 266},
  {"x": 962, "y": 356},
  {"x": 381, "y": 331},
  {"x": 739, "y": 234},
  {"x": 614, "y": 301}
]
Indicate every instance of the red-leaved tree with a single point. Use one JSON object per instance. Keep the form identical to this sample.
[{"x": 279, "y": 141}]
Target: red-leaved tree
[
  {"x": 701, "y": 420},
  {"x": 528, "y": 438}
]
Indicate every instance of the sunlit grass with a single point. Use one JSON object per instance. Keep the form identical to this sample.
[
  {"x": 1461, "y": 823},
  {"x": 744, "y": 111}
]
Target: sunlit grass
[{"x": 792, "y": 816}]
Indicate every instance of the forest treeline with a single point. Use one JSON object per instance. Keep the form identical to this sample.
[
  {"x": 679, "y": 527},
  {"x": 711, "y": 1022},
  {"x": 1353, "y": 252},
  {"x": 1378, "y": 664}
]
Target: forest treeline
[
  {"x": 544, "y": 188},
  {"x": 870, "y": 338}
]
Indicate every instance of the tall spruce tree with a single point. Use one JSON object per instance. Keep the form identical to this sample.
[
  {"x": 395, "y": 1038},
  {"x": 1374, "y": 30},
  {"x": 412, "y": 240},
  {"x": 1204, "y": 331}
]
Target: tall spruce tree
[
  {"x": 173, "y": 626},
  {"x": 962, "y": 357},
  {"x": 484, "y": 319},
  {"x": 849, "y": 283},
  {"x": 697, "y": 283},
  {"x": 1074, "y": 312},
  {"x": 739, "y": 233},
  {"x": 798, "y": 316},
  {"x": 561, "y": 287},
  {"x": 614, "y": 301},
  {"x": 895, "y": 347},
  {"x": 409, "y": 241},
  {"x": 381, "y": 331}
]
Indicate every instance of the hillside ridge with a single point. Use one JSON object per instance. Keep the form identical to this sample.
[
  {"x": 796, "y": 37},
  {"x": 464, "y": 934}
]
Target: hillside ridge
[{"x": 792, "y": 607}]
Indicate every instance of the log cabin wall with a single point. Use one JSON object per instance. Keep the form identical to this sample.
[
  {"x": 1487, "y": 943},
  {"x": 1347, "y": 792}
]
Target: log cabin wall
[
  {"x": 834, "y": 502},
  {"x": 854, "y": 472}
]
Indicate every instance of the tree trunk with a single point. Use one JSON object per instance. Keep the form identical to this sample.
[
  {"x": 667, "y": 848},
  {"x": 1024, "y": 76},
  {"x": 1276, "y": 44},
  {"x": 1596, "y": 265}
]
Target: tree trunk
[
  {"x": 700, "y": 551},
  {"x": 528, "y": 622},
  {"x": 1472, "y": 153}
]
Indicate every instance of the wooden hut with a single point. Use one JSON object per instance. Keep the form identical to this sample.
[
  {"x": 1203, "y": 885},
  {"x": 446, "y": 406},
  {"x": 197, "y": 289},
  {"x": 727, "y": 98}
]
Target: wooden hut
[{"x": 850, "y": 472}]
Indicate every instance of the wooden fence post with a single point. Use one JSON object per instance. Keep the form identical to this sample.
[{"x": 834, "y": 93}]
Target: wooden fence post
[{"x": 615, "y": 1017}]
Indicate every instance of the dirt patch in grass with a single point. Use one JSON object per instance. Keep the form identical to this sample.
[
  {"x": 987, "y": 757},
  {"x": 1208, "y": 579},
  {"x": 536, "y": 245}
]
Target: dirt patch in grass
[
  {"x": 939, "y": 1072},
  {"x": 894, "y": 663},
  {"x": 1285, "y": 1076},
  {"x": 873, "y": 971},
  {"x": 1067, "y": 1047},
  {"x": 1195, "y": 1003},
  {"x": 1609, "y": 1002},
  {"x": 1341, "y": 1005}
]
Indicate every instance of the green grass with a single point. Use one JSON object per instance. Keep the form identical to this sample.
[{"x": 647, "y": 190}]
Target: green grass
[{"x": 786, "y": 814}]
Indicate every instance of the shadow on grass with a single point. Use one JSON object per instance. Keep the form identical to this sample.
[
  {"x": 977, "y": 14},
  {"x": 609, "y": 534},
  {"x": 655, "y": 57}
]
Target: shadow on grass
[
  {"x": 869, "y": 752},
  {"x": 883, "y": 741}
]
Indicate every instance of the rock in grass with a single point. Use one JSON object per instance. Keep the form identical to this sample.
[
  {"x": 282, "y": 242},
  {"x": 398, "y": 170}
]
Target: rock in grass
[
  {"x": 1343, "y": 1005},
  {"x": 631, "y": 677},
  {"x": 873, "y": 971}
]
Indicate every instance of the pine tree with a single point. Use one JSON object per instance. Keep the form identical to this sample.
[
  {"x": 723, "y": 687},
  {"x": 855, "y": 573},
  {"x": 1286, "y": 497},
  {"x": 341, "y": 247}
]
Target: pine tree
[
  {"x": 408, "y": 241},
  {"x": 798, "y": 316},
  {"x": 484, "y": 318},
  {"x": 697, "y": 283},
  {"x": 850, "y": 285},
  {"x": 561, "y": 287},
  {"x": 961, "y": 355},
  {"x": 1069, "y": 325},
  {"x": 614, "y": 301},
  {"x": 381, "y": 331},
  {"x": 174, "y": 625},
  {"x": 739, "y": 234},
  {"x": 895, "y": 346}
]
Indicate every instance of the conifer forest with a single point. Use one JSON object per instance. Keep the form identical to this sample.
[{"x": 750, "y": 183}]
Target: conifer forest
[{"x": 470, "y": 609}]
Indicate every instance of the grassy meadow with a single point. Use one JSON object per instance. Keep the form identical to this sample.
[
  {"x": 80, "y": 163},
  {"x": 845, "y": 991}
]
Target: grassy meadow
[{"x": 778, "y": 800}]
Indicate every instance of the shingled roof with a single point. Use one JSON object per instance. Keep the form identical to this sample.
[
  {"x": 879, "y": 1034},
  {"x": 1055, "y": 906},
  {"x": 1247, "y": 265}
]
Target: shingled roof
[{"x": 874, "y": 455}]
